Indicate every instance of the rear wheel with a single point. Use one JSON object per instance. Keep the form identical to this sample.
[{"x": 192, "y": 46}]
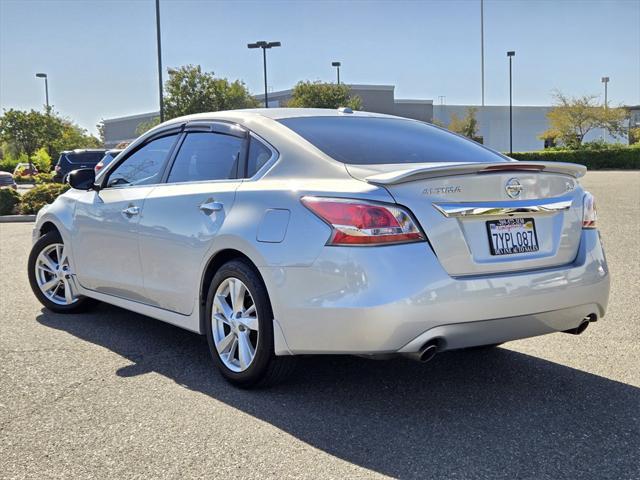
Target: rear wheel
[
  {"x": 239, "y": 327},
  {"x": 50, "y": 275}
]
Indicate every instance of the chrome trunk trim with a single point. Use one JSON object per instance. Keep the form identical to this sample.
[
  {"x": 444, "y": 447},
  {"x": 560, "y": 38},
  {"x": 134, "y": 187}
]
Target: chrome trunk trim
[{"x": 472, "y": 209}]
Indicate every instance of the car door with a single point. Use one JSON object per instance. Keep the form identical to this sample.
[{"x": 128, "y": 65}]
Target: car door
[
  {"x": 183, "y": 215},
  {"x": 105, "y": 237}
]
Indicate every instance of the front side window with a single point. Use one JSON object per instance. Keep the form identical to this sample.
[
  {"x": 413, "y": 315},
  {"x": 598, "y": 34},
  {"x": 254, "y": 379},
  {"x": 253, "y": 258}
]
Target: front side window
[
  {"x": 259, "y": 154},
  {"x": 206, "y": 156},
  {"x": 377, "y": 140},
  {"x": 145, "y": 165}
]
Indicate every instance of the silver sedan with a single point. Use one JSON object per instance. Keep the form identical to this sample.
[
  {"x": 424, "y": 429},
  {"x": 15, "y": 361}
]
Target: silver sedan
[{"x": 282, "y": 232}]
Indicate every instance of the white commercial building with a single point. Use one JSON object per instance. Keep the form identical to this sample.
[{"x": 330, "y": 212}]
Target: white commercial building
[{"x": 493, "y": 120}]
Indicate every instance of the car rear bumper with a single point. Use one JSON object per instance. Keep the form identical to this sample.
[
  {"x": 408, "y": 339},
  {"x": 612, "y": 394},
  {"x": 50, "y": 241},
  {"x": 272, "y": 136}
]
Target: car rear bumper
[{"x": 395, "y": 298}]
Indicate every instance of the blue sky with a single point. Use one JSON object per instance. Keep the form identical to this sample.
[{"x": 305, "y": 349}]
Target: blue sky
[{"x": 101, "y": 59}]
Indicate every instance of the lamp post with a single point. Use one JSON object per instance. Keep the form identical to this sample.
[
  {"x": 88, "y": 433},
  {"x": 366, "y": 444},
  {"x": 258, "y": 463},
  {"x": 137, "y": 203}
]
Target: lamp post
[
  {"x": 482, "y": 48},
  {"x": 510, "y": 54},
  {"x": 159, "y": 51},
  {"x": 605, "y": 80},
  {"x": 46, "y": 87},
  {"x": 337, "y": 65},
  {"x": 264, "y": 46}
]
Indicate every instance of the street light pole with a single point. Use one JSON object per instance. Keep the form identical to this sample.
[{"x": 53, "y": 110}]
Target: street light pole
[
  {"x": 605, "y": 80},
  {"x": 159, "y": 50},
  {"x": 482, "y": 47},
  {"x": 510, "y": 54},
  {"x": 46, "y": 87},
  {"x": 337, "y": 65},
  {"x": 264, "y": 45}
]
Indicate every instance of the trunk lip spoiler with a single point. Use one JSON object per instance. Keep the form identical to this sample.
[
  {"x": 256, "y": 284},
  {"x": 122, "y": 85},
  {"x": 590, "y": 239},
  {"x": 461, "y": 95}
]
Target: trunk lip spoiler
[{"x": 418, "y": 173}]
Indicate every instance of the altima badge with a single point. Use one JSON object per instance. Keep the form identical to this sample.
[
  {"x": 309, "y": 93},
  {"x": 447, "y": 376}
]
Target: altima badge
[{"x": 514, "y": 188}]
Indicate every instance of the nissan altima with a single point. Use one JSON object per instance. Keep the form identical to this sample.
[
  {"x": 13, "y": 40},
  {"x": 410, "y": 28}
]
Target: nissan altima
[{"x": 283, "y": 232}]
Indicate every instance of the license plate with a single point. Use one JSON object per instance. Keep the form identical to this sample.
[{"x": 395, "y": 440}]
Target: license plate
[{"x": 512, "y": 235}]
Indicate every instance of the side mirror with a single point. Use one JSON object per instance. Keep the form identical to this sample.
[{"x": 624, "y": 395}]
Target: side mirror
[{"x": 82, "y": 179}]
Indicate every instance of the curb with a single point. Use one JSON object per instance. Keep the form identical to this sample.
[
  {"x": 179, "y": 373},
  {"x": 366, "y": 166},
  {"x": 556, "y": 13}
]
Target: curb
[{"x": 17, "y": 218}]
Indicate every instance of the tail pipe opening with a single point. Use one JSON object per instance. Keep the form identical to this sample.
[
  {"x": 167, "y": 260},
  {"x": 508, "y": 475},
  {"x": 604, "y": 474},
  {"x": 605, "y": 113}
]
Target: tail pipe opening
[
  {"x": 583, "y": 325},
  {"x": 425, "y": 353}
]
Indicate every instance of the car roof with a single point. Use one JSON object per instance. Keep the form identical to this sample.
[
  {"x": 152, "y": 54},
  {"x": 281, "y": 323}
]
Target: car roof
[
  {"x": 274, "y": 114},
  {"x": 82, "y": 150}
]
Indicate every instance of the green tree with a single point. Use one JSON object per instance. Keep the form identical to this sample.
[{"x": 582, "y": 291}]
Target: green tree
[
  {"x": 73, "y": 136},
  {"x": 573, "y": 117},
  {"x": 323, "y": 95},
  {"x": 100, "y": 128},
  {"x": 27, "y": 131},
  {"x": 467, "y": 125},
  {"x": 190, "y": 90},
  {"x": 144, "y": 127}
]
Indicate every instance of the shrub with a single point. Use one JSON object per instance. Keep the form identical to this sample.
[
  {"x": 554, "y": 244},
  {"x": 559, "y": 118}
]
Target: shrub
[
  {"x": 23, "y": 178},
  {"x": 44, "y": 178},
  {"x": 40, "y": 195},
  {"x": 9, "y": 162},
  {"x": 620, "y": 158},
  {"x": 9, "y": 200},
  {"x": 41, "y": 160}
]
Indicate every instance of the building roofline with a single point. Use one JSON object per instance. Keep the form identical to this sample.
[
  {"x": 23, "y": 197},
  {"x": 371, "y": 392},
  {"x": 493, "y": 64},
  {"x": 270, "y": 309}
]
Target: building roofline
[
  {"x": 408, "y": 100},
  {"x": 131, "y": 117},
  {"x": 353, "y": 86}
]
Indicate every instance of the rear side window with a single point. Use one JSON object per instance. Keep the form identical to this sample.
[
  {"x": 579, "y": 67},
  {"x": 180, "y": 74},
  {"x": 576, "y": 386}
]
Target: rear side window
[
  {"x": 376, "y": 140},
  {"x": 259, "y": 154},
  {"x": 145, "y": 165},
  {"x": 206, "y": 156}
]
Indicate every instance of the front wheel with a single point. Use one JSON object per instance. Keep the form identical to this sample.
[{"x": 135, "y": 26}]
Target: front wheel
[
  {"x": 50, "y": 276},
  {"x": 239, "y": 325}
]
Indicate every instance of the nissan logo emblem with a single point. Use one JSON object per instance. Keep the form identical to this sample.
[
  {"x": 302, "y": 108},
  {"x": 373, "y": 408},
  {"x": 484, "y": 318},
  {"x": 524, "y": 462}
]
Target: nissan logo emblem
[{"x": 514, "y": 188}]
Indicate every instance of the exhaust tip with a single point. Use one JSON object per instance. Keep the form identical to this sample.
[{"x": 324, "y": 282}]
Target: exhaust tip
[
  {"x": 579, "y": 329},
  {"x": 428, "y": 352}
]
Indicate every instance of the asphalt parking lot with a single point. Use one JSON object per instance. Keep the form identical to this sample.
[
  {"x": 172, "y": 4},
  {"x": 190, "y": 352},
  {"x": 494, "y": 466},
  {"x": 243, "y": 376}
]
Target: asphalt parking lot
[{"x": 112, "y": 394}]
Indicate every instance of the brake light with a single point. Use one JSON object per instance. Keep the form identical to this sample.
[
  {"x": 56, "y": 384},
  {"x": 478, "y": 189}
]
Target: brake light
[
  {"x": 98, "y": 166},
  {"x": 358, "y": 222},
  {"x": 589, "y": 215}
]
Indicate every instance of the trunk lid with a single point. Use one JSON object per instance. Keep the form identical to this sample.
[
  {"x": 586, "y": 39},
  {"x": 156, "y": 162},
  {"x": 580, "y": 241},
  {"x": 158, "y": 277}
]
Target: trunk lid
[{"x": 454, "y": 202}]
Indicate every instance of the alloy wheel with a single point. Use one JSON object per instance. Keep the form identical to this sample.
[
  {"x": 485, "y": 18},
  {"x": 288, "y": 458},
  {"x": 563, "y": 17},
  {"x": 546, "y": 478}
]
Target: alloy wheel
[
  {"x": 53, "y": 274},
  {"x": 235, "y": 325}
]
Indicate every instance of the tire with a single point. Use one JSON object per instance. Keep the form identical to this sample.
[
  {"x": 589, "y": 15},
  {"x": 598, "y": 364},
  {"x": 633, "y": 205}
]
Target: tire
[
  {"x": 53, "y": 303},
  {"x": 265, "y": 368}
]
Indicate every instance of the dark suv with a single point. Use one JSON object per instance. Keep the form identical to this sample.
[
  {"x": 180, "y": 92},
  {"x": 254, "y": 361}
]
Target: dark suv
[{"x": 74, "y": 159}]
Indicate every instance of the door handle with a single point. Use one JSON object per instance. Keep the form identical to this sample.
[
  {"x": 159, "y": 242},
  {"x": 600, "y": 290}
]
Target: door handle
[
  {"x": 131, "y": 211},
  {"x": 210, "y": 206}
]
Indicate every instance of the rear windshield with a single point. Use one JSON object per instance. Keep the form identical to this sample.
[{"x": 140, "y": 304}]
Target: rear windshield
[
  {"x": 85, "y": 157},
  {"x": 375, "y": 140}
]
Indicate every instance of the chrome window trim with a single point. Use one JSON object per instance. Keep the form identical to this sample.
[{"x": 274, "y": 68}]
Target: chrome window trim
[
  {"x": 206, "y": 127},
  {"x": 137, "y": 144},
  {"x": 475, "y": 209}
]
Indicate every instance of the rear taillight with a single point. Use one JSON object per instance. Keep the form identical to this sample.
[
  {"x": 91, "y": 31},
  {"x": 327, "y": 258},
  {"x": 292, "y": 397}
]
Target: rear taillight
[
  {"x": 98, "y": 166},
  {"x": 358, "y": 222},
  {"x": 589, "y": 215}
]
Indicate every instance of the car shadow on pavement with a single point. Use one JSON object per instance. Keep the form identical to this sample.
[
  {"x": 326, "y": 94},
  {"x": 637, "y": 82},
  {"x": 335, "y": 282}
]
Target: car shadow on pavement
[{"x": 467, "y": 414}]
